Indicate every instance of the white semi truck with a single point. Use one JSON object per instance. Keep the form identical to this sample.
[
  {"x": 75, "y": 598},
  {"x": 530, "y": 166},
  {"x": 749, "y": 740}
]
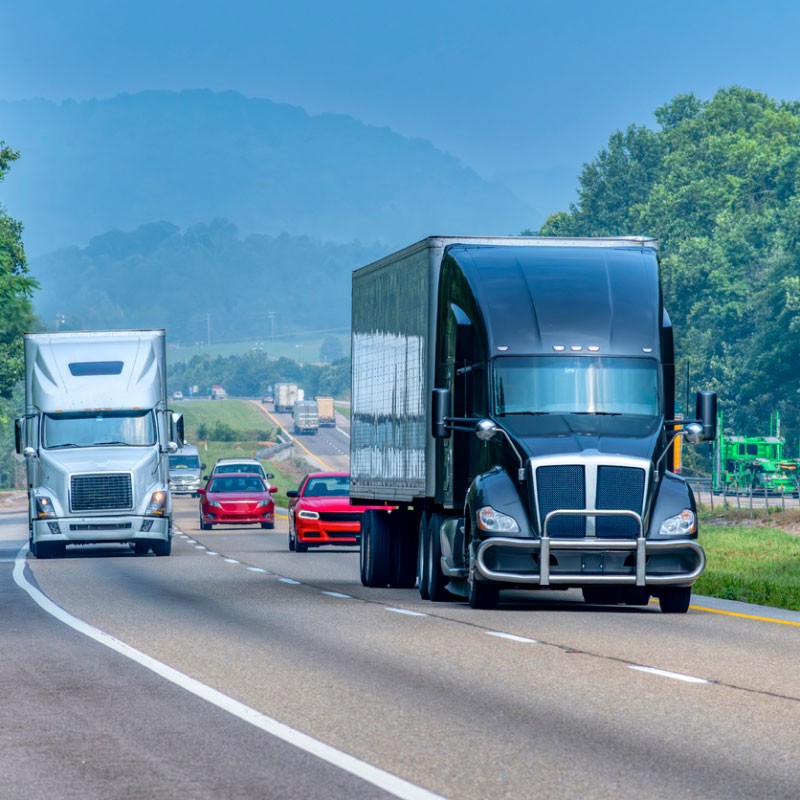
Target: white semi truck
[
  {"x": 286, "y": 395},
  {"x": 96, "y": 437}
]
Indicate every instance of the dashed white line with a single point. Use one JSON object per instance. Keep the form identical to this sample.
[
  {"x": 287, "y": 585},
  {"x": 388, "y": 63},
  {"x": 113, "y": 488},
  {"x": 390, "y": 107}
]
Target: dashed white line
[
  {"x": 338, "y": 594},
  {"x": 343, "y": 432},
  {"x": 256, "y": 569},
  {"x": 666, "y": 674},
  {"x": 355, "y": 766},
  {"x": 511, "y": 637},
  {"x": 232, "y": 561},
  {"x": 405, "y": 611},
  {"x": 199, "y": 547},
  {"x": 211, "y": 553},
  {"x": 289, "y": 580}
]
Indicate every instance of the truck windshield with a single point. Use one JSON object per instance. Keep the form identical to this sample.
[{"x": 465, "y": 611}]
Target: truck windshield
[
  {"x": 184, "y": 462},
  {"x": 576, "y": 385},
  {"x": 97, "y": 428}
]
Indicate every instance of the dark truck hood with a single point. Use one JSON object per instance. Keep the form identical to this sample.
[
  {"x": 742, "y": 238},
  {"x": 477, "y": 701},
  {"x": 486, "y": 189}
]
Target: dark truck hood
[{"x": 571, "y": 434}]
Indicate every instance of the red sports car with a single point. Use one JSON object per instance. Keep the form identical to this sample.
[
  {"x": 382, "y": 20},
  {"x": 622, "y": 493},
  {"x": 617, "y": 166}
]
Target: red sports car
[
  {"x": 238, "y": 499},
  {"x": 320, "y": 512}
]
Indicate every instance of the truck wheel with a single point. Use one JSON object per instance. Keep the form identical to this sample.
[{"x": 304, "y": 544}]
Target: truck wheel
[
  {"x": 675, "y": 599},
  {"x": 602, "y": 595},
  {"x": 141, "y": 548},
  {"x": 362, "y": 547},
  {"x": 636, "y": 596},
  {"x": 433, "y": 576},
  {"x": 422, "y": 556},
  {"x": 47, "y": 549},
  {"x": 404, "y": 552},
  {"x": 161, "y": 547},
  {"x": 377, "y": 550},
  {"x": 482, "y": 595}
]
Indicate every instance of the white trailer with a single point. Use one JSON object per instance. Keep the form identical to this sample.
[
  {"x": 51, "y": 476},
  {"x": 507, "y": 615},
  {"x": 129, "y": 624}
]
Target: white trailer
[
  {"x": 96, "y": 436},
  {"x": 286, "y": 395}
]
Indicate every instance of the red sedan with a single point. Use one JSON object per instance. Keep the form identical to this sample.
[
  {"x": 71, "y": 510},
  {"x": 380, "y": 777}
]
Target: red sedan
[
  {"x": 320, "y": 512},
  {"x": 238, "y": 499}
]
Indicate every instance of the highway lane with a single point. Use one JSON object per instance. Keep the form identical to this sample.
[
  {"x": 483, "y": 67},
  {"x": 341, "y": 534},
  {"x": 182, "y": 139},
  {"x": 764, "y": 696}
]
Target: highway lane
[{"x": 431, "y": 696}]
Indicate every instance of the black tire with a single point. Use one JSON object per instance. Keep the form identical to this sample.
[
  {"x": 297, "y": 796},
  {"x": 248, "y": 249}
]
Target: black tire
[
  {"x": 299, "y": 547},
  {"x": 377, "y": 550},
  {"x": 422, "y": 556},
  {"x": 404, "y": 552},
  {"x": 482, "y": 595},
  {"x": 141, "y": 548},
  {"x": 204, "y": 526},
  {"x": 161, "y": 547},
  {"x": 602, "y": 595},
  {"x": 268, "y": 525},
  {"x": 435, "y": 579},
  {"x": 362, "y": 546},
  {"x": 675, "y": 599},
  {"x": 48, "y": 549},
  {"x": 636, "y": 596}
]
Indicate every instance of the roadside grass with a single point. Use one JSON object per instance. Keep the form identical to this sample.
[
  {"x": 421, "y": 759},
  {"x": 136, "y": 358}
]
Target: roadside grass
[
  {"x": 751, "y": 564},
  {"x": 344, "y": 411},
  {"x": 238, "y": 414}
]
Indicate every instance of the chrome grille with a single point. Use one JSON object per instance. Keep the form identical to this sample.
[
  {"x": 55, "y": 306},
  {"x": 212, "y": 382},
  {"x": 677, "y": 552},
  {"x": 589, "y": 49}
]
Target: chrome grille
[
  {"x": 562, "y": 486},
  {"x": 619, "y": 488},
  {"x": 101, "y": 492}
]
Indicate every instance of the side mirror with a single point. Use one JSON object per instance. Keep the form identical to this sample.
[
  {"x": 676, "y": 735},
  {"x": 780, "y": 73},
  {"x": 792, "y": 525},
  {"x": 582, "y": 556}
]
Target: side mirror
[
  {"x": 707, "y": 414},
  {"x": 485, "y": 430},
  {"x": 29, "y": 452},
  {"x": 205, "y": 477},
  {"x": 176, "y": 429},
  {"x": 693, "y": 433},
  {"x": 172, "y": 448},
  {"x": 272, "y": 489},
  {"x": 293, "y": 493},
  {"x": 201, "y": 491},
  {"x": 18, "y": 435},
  {"x": 440, "y": 408},
  {"x": 270, "y": 476},
  {"x": 202, "y": 466}
]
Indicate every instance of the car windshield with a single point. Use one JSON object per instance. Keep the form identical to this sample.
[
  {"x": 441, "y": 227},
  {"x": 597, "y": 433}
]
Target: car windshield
[
  {"x": 97, "y": 428},
  {"x": 184, "y": 462},
  {"x": 238, "y": 483},
  {"x": 252, "y": 468},
  {"x": 329, "y": 486},
  {"x": 576, "y": 385}
]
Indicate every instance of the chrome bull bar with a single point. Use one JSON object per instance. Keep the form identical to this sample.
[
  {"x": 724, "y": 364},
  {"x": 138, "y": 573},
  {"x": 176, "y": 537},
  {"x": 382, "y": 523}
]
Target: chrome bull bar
[{"x": 642, "y": 547}]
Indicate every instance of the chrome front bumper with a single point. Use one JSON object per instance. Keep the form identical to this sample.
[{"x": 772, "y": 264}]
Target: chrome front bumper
[{"x": 545, "y": 546}]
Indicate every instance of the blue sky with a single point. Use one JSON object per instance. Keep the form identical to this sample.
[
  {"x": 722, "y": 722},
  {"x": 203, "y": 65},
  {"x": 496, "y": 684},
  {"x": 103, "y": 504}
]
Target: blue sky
[{"x": 508, "y": 87}]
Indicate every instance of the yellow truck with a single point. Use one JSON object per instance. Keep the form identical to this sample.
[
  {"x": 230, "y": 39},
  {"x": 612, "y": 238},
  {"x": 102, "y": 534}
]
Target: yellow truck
[{"x": 327, "y": 416}]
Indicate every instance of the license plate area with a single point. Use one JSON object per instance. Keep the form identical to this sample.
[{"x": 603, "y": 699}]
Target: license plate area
[{"x": 592, "y": 563}]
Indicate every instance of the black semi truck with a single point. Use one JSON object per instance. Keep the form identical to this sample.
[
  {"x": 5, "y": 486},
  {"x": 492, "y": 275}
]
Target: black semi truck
[{"x": 513, "y": 400}]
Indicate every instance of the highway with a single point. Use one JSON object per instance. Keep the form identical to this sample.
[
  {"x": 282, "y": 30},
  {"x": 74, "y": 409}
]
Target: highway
[{"x": 235, "y": 637}]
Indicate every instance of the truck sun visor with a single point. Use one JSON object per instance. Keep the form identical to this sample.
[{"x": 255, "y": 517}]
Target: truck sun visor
[{"x": 86, "y": 368}]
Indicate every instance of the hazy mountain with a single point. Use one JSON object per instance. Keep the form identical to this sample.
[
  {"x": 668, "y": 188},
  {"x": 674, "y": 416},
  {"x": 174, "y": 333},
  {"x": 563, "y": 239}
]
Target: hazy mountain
[
  {"x": 93, "y": 166},
  {"x": 161, "y": 277}
]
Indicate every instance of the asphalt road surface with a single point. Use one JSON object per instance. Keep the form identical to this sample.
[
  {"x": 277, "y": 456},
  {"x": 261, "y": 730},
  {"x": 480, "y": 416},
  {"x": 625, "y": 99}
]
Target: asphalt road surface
[{"x": 543, "y": 696}]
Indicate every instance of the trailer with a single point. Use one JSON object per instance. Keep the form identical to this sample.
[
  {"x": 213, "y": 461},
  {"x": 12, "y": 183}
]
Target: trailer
[{"x": 286, "y": 395}]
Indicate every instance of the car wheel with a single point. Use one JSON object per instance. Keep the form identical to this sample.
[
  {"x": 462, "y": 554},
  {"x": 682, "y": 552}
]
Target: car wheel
[
  {"x": 291, "y": 536},
  {"x": 434, "y": 577},
  {"x": 268, "y": 525},
  {"x": 675, "y": 599},
  {"x": 204, "y": 526},
  {"x": 422, "y": 556},
  {"x": 300, "y": 547}
]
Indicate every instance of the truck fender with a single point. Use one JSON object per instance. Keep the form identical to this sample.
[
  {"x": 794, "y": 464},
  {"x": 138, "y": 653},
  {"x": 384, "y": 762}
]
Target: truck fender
[
  {"x": 496, "y": 488},
  {"x": 672, "y": 496}
]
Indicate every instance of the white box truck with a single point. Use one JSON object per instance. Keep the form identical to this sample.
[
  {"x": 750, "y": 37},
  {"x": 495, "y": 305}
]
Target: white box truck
[
  {"x": 96, "y": 437},
  {"x": 327, "y": 415},
  {"x": 285, "y": 397}
]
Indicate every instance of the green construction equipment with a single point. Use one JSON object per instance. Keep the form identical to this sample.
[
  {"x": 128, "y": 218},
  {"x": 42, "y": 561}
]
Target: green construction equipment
[{"x": 745, "y": 464}]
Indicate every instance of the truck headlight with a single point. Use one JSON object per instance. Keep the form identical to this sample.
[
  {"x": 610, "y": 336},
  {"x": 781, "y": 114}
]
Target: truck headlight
[
  {"x": 44, "y": 507},
  {"x": 308, "y": 515},
  {"x": 495, "y": 522},
  {"x": 157, "y": 504},
  {"x": 680, "y": 525}
]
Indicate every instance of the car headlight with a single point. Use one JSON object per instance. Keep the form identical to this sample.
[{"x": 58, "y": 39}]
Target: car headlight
[
  {"x": 308, "y": 515},
  {"x": 495, "y": 522},
  {"x": 680, "y": 525},
  {"x": 264, "y": 503},
  {"x": 158, "y": 503},
  {"x": 44, "y": 507},
  {"x": 215, "y": 504}
]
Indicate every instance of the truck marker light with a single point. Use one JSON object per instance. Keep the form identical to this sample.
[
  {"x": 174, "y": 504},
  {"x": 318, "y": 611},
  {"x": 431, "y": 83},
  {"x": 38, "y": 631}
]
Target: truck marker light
[
  {"x": 502, "y": 347},
  {"x": 593, "y": 348},
  {"x": 576, "y": 348},
  {"x": 558, "y": 347},
  {"x": 647, "y": 349}
]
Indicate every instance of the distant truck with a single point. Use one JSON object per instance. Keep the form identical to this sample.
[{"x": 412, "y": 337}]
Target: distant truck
[
  {"x": 185, "y": 471},
  {"x": 305, "y": 416},
  {"x": 327, "y": 415},
  {"x": 513, "y": 398},
  {"x": 218, "y": 393},
  {"x": 96, "y": 437},
  {"x": 285, "y": 397}
]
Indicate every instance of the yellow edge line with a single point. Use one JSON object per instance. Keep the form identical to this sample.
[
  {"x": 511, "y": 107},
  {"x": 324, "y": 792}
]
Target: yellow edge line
[
  {"x": 282, "y": 516},
  {"x": 299, "y": 444},
  {"x": 737, "y": 614}
]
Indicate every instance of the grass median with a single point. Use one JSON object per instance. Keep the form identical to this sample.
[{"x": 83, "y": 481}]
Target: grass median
[{"x": 751, "y": 564}]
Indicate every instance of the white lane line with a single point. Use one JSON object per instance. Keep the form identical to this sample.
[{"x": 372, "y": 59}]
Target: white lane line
[
  {"x": 289, "y": 580},
  {"x": 343, "y": 432},
  {"x": 405, "y": 611},
  {"x": 511, "y": 637},
  {"x": 338, "y": 594},
  {"x": 231, "y": 561},
  {"x": 211, "y": 553},
  {"x": 256, "y": 569},
  {"x": 355, "y": 766},
  {"x": 191, "y": 541},
  {"x": 665, "y": 674},
  {"x": 199, "y": 547}
]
